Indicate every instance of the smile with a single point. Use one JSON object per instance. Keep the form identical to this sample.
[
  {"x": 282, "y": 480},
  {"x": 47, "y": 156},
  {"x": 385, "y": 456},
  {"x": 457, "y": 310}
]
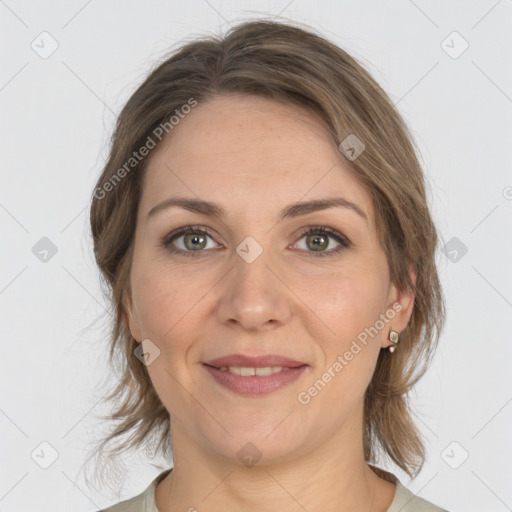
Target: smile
[{"x": 254, "y": 380}]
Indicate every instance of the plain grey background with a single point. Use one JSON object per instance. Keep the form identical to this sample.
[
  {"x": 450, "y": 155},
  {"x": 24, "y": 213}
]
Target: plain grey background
[{"x": 67, "y": 69}]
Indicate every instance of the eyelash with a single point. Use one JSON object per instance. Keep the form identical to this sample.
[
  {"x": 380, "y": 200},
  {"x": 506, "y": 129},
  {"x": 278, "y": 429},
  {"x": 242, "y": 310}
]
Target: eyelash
[{"x": 197, "y": 230}]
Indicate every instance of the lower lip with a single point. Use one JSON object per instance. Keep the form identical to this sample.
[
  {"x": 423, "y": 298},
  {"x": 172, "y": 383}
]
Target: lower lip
[{"x": 255, "y": 384}]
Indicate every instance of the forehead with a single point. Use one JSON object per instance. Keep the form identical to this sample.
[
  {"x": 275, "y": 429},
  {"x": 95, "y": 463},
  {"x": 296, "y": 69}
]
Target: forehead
[{"x": 250, "y": 151}]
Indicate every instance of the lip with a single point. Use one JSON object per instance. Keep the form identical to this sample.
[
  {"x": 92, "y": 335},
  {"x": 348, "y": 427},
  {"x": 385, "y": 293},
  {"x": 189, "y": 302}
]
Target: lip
[
  {"x": 255, "y": 361},
  {"x": 255, "y": 384}
]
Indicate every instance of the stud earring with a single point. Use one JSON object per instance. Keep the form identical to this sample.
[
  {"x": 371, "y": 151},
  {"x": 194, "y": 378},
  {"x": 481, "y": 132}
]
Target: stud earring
[{"x": 394, "y": 338}]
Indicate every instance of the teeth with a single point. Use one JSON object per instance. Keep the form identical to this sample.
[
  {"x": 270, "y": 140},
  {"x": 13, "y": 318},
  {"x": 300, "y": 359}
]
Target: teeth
[{"x": 248, "y": 371}]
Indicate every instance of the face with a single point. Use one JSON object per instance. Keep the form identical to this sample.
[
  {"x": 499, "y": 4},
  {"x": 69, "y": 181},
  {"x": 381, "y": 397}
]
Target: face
[{"x": 247, "y": 279}]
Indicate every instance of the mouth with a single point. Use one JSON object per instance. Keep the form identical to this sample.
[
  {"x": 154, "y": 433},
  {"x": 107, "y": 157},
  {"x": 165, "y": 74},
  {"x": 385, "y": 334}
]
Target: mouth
[
  {"x": 249, "y": 371},
  {"x": 273, "y": 361},
  {"x": 255, "y": 380}
]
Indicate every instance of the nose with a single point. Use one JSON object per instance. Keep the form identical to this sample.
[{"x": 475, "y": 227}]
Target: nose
[{"x": 254, "y": 296}]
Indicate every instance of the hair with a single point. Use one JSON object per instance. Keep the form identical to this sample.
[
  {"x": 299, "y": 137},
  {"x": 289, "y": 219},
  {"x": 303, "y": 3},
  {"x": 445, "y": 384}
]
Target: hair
[{"x": 288, "y": 64}]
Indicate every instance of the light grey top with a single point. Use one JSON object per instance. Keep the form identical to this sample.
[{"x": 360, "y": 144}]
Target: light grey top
[{"x": 404, "y": 500}]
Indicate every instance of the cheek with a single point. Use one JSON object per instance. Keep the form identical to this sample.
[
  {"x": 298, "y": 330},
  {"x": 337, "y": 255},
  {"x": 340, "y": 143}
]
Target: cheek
[
  {"x": 347, "y": 301},
  {"x": 350, "y": 347},
  {"x": 349, "y": 304},
  {"x": 169, "y": 307},
  {"x": 168, "y": 298}
]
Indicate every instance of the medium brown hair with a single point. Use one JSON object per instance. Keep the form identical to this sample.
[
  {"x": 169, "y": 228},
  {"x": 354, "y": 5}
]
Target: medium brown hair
[{"x": 289, "y": 64}]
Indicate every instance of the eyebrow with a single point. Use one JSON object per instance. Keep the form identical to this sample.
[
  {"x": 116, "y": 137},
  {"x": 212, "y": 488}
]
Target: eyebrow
[{"x": 294, "y": 210}]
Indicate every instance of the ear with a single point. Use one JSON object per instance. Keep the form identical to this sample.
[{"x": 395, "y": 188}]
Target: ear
[
  {"x": 401, "y": 301},
  {"x": 129, "y": 314}
]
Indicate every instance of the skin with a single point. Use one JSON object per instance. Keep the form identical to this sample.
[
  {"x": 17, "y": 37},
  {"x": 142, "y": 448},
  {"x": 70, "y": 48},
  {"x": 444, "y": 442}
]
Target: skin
[{"x": 254, "y": 156}]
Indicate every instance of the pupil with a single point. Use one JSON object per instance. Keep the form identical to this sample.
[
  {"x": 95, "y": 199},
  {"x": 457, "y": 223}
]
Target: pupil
[
  {"x": 194, "y": 239},
  {"x": 318, "y": 245}
]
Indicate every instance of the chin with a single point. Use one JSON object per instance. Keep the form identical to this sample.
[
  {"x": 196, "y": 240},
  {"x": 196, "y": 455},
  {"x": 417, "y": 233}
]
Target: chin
[{"x": 254, "y": 446}]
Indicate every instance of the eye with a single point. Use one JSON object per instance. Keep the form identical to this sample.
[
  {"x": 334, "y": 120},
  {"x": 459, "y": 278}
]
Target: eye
[
  {"x": 193, "y": 240},
  {"x": 188, "y": 240},
  {"x": 318, "y": 238}
]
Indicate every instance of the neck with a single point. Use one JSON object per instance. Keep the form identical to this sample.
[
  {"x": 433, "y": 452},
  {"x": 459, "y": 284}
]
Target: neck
[{"x": 328, "y": 480}]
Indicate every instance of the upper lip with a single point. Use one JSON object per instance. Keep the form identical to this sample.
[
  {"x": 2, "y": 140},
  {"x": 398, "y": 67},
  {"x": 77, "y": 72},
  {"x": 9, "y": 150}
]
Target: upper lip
[{"x": 254, "y": 361}]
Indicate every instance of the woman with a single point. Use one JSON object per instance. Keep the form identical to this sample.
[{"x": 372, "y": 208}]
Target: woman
[{"x": 263, "y": 227}]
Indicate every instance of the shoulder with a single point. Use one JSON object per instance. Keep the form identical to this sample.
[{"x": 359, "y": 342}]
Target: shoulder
[
  {"x": 143, "y": 502},
  {"x": 138, "y": 503},
  {"x": 134, "y": 504},
  {"x": 406, "y": 501}
]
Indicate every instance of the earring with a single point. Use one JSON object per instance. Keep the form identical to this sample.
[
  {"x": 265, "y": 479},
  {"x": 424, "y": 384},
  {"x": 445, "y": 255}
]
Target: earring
[{"x": 394, "y": 338}]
